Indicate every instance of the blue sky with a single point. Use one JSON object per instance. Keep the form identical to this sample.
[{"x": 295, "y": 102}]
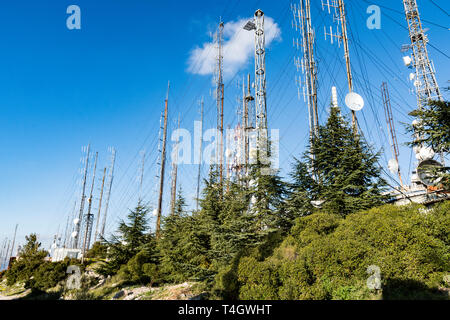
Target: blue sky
[{"x": 105, "y": 84}]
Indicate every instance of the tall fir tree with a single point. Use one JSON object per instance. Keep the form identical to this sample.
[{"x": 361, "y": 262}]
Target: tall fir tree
[
  {"x": 345, "y": 171},
  {"x": 131, "y": 238}
]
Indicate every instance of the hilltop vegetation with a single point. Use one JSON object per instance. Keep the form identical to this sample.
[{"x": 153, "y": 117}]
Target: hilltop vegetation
[{"x": 260, "y": 237}]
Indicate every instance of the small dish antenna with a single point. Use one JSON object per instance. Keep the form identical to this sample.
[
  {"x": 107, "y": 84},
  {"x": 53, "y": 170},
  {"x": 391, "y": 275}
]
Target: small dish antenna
[
  {"x": 393, "y": 166},
  {"x": 426, "y": 171},
  {"x": 354, "y": 101}
]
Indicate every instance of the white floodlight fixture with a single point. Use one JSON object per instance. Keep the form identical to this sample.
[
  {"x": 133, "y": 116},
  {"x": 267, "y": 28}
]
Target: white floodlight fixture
[
  {"x": 354, "y": 101},
  {"x": 76, "y": 221},
  {"x": 155, "y": 212},
  {"x": 74, "y": 234}
]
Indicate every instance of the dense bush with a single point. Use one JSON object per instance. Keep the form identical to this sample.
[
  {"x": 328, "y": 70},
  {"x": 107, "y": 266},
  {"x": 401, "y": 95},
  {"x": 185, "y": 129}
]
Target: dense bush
[
  {"x": 326, "y": 257},
  {"x": 139, "y": 270}
]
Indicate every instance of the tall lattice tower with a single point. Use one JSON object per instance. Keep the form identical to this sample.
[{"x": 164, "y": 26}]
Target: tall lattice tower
[
  {"x": 307, "y": 64},
  {"x": 218, "y": 75},
  {"x": 260, "y": 82},
  {"x": 260, "y": 71},
  {"x": 425, "y": 77}
]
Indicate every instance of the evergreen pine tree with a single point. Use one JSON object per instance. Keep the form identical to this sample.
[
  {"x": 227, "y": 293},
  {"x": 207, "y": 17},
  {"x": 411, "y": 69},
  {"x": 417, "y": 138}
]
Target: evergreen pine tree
[
  {"x": 347, "y": 175},
  {"x": 130, "y": 239}
]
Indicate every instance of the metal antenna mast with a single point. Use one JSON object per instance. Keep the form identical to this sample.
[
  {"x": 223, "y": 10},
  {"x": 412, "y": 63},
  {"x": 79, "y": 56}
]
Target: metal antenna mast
[
  {"x": 89, "y": 216},
  {"x": 260, "y": 77},
  {"x": 426, "y": 84},
  {"x": 174, "y": 174},
  {"x": 342, "y": 20},
  {"x": 83, "y": 198},
  {"x": 200, "y": 153},
  {"x": 391, "y": 127},
  {"x": 6, "y": 263},
  {"x": 302, "y": 23},
  {"x": 100, "y": 205},
  {"x": 108, "y": 197},
  {"x": 425, "y": 78},
  {"x": 14, "y": 241},
  {"x": 260, "y": 71},
  {"x": 220, "y": 94},
  {"x": 163, "y": 163},
  {"x": 141, "y": 180},
  {"x": 248, "y": 120}
]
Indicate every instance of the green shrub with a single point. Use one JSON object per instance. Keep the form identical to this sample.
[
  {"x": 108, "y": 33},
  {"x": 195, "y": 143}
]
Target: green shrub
[{"x": 326, "y": 257}]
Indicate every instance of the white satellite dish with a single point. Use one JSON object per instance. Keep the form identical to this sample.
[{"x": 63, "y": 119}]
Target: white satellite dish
[
  {"x": 393, "y": 166},
  {"x": 426, "y": 153},
  {"x": 354, "y": 101},
  {"x": 426, "y": 172},
  {"x": 76, "y": 221},
  {"x": 74, "y": 234},
  {"x": 407, "y": 61},
  {"x": 415, "y": 123}
]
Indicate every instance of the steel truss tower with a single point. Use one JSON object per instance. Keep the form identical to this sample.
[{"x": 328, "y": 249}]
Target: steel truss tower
[
  {"x": 390, "y": 125},
  {"x": 425, "y": 83},
  {"x": 89, "y": 216},
  {"x": 302, "y": 23},
  {"x": 219, "y": 94},
  {"x": 425, "y": 78},
  {"x": 108, "y": 196},
  {"x": 83, "y": 198},
  {"x": 260, "y": 82},
  {"x": 260, "y": 71}
]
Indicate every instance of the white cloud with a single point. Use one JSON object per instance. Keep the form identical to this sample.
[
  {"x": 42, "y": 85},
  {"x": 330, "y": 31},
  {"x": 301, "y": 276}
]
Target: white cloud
[{"x": 238, "y": 48}]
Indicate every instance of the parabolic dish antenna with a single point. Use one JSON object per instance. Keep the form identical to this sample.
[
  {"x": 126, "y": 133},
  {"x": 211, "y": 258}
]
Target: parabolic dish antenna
[
  {"x": 354, "y": 101},
  {"x": 74, "y": 234},
  {"x": 427, "y": 172},
  {"x": 393, "y": 166}
]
